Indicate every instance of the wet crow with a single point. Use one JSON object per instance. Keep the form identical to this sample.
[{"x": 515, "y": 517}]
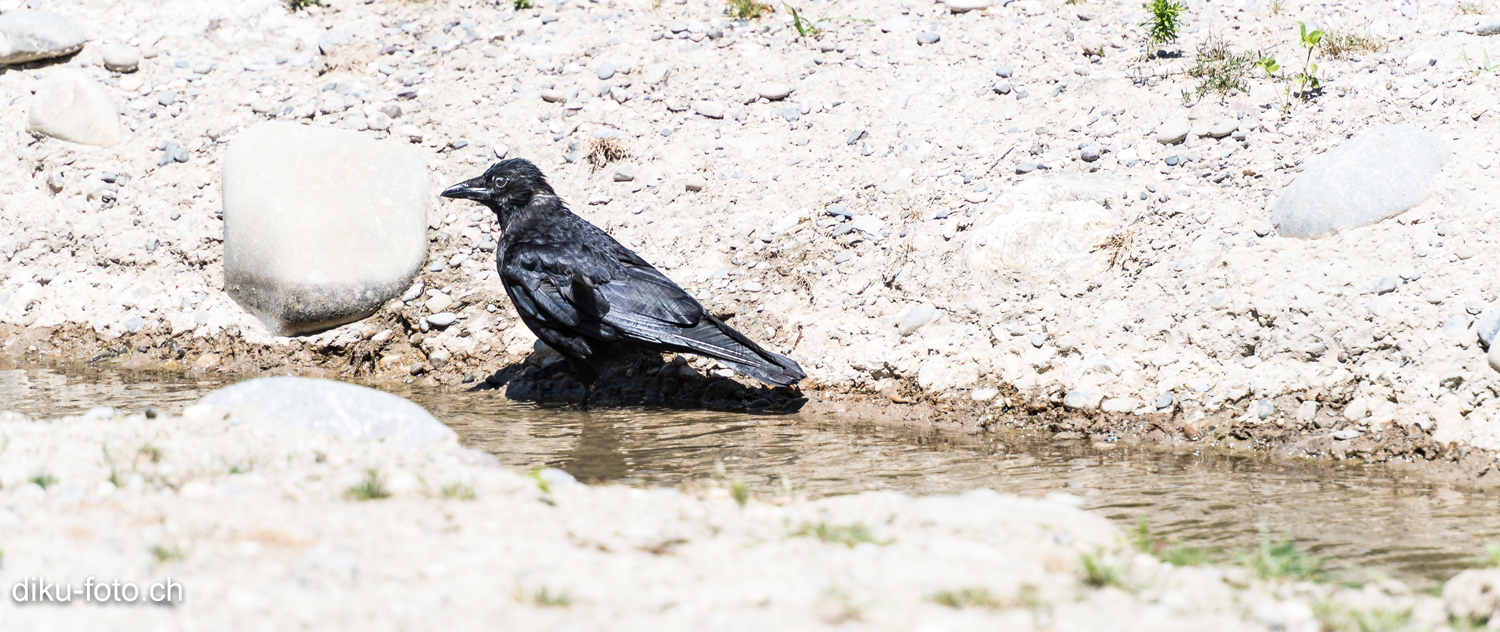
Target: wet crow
[{"x": 592, "y": 299}]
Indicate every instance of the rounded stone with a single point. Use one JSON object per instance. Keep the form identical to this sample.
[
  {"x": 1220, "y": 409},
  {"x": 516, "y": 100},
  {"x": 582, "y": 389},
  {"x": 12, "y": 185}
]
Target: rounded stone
[
  {"x": 915, "y": 318},
  {"x": 1173, "y": 132},
  {"x": 1079, "y": 400},
  {"x": 321, "y": 226},
  {"x": 346, "y": 411},
  {"x": 72, "y": 107},
  {"x": 1375, "y": 175},
  {"x": 121, "y": 58},
  {"x": 28, "y": 35},
  {"x": 774, "y": 91}
]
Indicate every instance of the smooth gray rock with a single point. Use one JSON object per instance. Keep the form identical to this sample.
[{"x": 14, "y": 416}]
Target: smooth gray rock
[
  {"x": 1488, "y": 27},
  {"x": 346, "y": 411},
  {"x": 121, "y": 58},
  {"x": 916, "y": 317},
  {"x": 321, "y": 226},
  {"x": 1080, "y": 400},
  {"x": 774, "y": 91},
  {"x": 1488, "y": 326},
  {"x": 1173, "y": 132},
  {"x": 1386, "y": 286},
  {"x": 606, "y": 71},
  {"x": 70, "y": 106},
  {"x": 1165, "y": 400},
  {"x": 31, "y": 35},
  {"x": 1264, "y": 408},
  {"x": 1375, "y": 175}
]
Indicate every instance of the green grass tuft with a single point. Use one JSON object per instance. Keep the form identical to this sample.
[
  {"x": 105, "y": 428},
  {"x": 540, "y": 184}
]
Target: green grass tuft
[
  {"x": 847, "y": 535},
  {"x": 1171, "y": 553},
  {"x": 163, "y": 554},
  {"x": 371, "y": 488},
  {"x": 43, "y": 480},
  {"x": 1098, "y": 572},
  {"x": 459, "y": 491},
  {"x": 521, "y": 5},
  {"x": 739, "y": 491},
  {"x": 298, "y": 5},
  {"x": 748, "y": 9},
  {"x": 1281, "y": 560}
]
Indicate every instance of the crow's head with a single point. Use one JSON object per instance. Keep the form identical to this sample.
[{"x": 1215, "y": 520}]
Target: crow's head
[{"x": 508, "y": 185}]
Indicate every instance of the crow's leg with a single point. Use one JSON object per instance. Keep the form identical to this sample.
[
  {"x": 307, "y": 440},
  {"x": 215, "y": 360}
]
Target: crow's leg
[{"x": 588, "y": 391}]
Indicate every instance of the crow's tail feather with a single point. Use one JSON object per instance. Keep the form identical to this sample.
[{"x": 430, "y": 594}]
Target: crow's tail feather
[{"x": 714, "y": 339}]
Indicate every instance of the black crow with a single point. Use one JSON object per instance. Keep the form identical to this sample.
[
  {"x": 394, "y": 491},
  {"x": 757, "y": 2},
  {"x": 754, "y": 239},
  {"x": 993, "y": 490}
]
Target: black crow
[{"x": 592, "y": 299}]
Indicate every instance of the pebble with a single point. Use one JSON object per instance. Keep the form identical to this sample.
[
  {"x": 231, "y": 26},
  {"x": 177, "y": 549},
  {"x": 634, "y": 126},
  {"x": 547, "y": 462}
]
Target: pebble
[
  {"x": 916, "y": 317},
  {"x": 695, "y": 183},
  {"x": 70, "y": 106},
  {"x": 1037, "y": 340},
  {"x": 774, "y": 91},
  {"x": 1165, "y": 400},
  {"x": 442, "y": 319},
  {"x": 709, "y": 109},
  {"x": 166, "y": 98},
  {"x": 438, "y": 303},
  {"x": 962, "y": 6},
  {"x": 836, "y": 210},
  {"x": 1173, "y": 132},
  {"x": 1387, "y": 285},
  {"x": 1001, "y": 87},
  {"x": 1488, "y": 326},
  {"x": 413, "y": 292},
  {"x": 843, "y": 257},
  {"x": 1378, "y": 306},
  {"x": 624, "y": 173},
  {"x": 28, "y": 35},
  {"x": 1264, "y": 408},
  {"x": 121, "y": 58},
  {"x": 928, "y": 38},
  {"x": 1490, "y": 26},
  {"x": 1456, "y": 327},
  {"x": 1089, "y": 153},
  {"x": 1079, "y": 400},
  {"x": 1346, "y": 434},
  {"x": 606, "y": 71},
  {"x": 1263, "y": 228},
  {"x": 1004, "y": 72},
  {"x": 791, "y": 115}
]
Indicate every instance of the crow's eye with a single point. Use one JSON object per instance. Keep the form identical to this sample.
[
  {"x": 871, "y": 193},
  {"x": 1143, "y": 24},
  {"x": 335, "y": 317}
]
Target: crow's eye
[{"x": 497, "y": 182}]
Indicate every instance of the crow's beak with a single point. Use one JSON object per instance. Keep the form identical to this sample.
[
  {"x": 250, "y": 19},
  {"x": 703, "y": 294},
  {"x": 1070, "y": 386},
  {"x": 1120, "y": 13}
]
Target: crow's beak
[{"x": 466, "y": 190}]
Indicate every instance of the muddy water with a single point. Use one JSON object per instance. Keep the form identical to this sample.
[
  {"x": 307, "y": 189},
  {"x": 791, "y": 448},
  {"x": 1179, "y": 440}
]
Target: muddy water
[{"x": 1365, "y": 520}]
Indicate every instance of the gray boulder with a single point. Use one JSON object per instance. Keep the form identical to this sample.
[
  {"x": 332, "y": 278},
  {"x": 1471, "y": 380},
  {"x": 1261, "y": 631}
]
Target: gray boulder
[
  {"x": 1375, "y": 175},
  {"x": 321, "y": 226},
  {"x": 31, "y": 35},
  {"x": 346, "y": 411},
  {"x": 72, "y": 107}
]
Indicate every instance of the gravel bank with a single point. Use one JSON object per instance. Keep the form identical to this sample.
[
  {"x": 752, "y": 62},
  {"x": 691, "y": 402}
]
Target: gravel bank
[{"x": 962, "y": 204}]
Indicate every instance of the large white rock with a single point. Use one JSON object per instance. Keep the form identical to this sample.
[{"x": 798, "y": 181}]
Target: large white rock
[
  {"x": 1377, "y": 174},
  {"x": 30, "y": 35},
  {"x": 346, "y": 411},
  {"x": 1049, "y": 228},
  {"x": 70, "y": 106},
  {"x": 321, "y": 226}
]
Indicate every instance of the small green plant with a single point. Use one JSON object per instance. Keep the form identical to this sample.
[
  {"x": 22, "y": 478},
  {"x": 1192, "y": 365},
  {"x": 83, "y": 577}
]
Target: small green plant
[
  {"x": 1491, "y": 557},
  {"x": 739, "y": 491},
  {"x": 811, "y": 28},
  {"x": 1280, "y": 560},
  {"x": 1276, "y": 6},
  {"x": 150, "y": 453},
  {"x": 847, "y": 535},
  {"x": 1162, "y": 23},
  {"x": 1098, "y": 572},
  {"x": 1471, "y": 8},
  {"x": 546, "y": 597},
  {"x": 1307, "y": 80},
  {"x": 163, "y": 554},
  {"x": 1340, "y": 618},
  {"x": 459, "y": 491},
  {"x": 43, "y": 479},
  {"x": 748, "y": 9},
  {"x": 298, "y": 5},
  {"x": 372, "y": 487},
  {"x": 966, "y": 598},
  {"x": 522, "y": 5},
  {"x": 544, "y": 485},
  {"x": 1483, "y": 67},
  {"x": 241, "y": 468},
  {"x": 1174, "y": 554}
]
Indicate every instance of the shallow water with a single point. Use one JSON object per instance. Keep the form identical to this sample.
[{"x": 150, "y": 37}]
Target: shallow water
[{"x": 1366, "y": 520}]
